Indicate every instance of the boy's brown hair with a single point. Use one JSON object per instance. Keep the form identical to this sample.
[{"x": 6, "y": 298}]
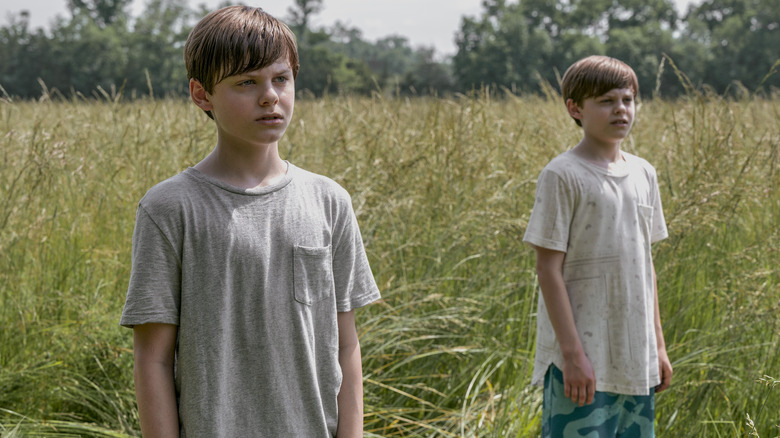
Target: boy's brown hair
[
  {"x": 235, "y": 40},
  {"x": 594, "y": 76}
]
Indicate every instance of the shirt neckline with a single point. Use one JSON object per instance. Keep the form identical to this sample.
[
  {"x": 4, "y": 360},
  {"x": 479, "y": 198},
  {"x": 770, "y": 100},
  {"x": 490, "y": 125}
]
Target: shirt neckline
[
  {"x": 617, "y": 172},
  {"x": 255, "y": 191}
]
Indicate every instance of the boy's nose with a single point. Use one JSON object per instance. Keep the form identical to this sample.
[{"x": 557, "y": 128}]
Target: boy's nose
[{"x": 269, "y": 96}]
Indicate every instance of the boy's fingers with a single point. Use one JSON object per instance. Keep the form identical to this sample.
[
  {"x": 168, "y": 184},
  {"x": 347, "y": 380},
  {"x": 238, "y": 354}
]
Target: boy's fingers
[
  {"x": 666, "y": 379},
  {"x": 577, "y": 394},
  {"x": 591, "y": 393},
  {"x": 665, "y": 382}
]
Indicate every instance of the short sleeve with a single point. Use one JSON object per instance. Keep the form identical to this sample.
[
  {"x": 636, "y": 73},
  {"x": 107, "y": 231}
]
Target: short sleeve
[
  {"x": 552, "y": 213},
  {"x": 154, "y": 292},
  {"x": 659, "y": 231},
  {"x": 354, "y": 282}
]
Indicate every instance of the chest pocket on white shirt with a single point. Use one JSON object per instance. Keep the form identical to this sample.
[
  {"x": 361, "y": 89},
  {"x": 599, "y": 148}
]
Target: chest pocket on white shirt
[
  {"x": 645, "y": 216},
  {"x": 312, "y": 274}
]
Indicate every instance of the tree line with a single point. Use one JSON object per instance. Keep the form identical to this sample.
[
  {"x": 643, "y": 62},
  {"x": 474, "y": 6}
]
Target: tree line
[{"x": 724, "y": 46}]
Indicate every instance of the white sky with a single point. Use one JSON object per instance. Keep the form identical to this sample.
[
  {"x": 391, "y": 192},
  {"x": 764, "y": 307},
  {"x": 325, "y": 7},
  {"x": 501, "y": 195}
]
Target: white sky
[{"x": 423, "y": 22}]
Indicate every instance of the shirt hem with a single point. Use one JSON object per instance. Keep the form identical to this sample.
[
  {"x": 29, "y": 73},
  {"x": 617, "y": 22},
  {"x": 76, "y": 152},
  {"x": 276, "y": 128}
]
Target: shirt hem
[
  {"x": 133, "y": 320},
  {"x": 358, "y": 302},
  {"x": 541, "y": 242}
]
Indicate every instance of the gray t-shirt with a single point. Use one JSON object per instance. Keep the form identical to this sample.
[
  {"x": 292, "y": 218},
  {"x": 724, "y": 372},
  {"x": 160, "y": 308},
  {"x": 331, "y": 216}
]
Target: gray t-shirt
[{"x": 254, "y": 280}]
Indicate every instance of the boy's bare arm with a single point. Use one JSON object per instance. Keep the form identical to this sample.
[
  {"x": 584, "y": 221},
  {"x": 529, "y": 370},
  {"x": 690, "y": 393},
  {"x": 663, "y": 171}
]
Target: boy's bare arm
[
  {"x": 664, "y": 365},
  {"x": 578, "y": 378},
  {"x": 153, "y": 351},
  {"x": 350, "y": 398}
]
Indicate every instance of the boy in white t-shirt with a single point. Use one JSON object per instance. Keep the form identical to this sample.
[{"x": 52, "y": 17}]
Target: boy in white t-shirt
[
  {"x": 600, "y": 350},
  {"x": 247, "y": 270}
]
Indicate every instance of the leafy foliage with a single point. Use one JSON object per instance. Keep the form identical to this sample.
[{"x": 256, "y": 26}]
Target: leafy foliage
[
  {"x": 99, "y": 47},
  {"x": 718, "y": 43},
  {"x": 729, "y": 46}
]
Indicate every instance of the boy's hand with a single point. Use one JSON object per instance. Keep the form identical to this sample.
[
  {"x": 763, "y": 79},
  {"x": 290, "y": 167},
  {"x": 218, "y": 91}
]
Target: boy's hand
[
  {"x": 579, "y": 381},
  {"x": 665, "y": 369}
]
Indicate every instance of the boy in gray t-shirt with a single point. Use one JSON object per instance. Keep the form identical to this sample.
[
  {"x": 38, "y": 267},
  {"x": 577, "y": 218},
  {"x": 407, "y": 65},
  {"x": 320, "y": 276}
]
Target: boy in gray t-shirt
[{"x": 247, "y": 269}]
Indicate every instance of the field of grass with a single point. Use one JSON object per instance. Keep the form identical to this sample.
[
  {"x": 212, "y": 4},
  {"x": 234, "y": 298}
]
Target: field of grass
[{"x": 442, "y": 189}]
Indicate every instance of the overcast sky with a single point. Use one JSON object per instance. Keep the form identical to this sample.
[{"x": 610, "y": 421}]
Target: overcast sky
[{"x": 423, "y": 22}]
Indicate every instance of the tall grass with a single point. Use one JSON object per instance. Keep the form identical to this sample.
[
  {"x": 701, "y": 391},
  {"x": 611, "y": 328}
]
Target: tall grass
[{"x": 443, "y": 189}]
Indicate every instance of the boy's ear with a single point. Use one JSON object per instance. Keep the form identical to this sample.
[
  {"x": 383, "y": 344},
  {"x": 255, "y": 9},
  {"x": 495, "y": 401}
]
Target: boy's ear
[
  {"x": 574, "y": 109},
  {"x": 199, "y": 95}
]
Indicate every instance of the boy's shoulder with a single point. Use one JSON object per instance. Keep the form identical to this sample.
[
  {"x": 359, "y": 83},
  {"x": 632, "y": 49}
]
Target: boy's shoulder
[
  {"x": 563, "y": 162},
  {"x": 171, "y": 189},
  {"x": 315, "y": 180},
  {"x": 638, "y": 163},
  {"x": 318, "y": 188}
]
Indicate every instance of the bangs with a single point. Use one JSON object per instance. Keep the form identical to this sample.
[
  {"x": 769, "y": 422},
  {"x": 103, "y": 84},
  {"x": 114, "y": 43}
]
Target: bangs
[
  {"x": 235, "y": 40},
  {"x": 595, "y": 76},
  {"x": 251, "y": 47},
  {"x": 611, "y": 78}
]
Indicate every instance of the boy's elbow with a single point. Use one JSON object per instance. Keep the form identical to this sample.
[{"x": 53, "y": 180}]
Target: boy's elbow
[
  {"x": 348, "y": 338},
  {"x": 348, "y": 343}
]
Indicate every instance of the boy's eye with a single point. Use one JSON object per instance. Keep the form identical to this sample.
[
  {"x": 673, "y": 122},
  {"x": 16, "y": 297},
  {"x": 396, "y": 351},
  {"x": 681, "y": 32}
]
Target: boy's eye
[
  {"x": 281, "y": 79},
  {"x": 246, "y": 82}
]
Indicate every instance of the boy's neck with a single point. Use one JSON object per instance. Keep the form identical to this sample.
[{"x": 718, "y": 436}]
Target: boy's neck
[
  {"x": 263, "y": 167},
  {"x": 602, "y": 154}
]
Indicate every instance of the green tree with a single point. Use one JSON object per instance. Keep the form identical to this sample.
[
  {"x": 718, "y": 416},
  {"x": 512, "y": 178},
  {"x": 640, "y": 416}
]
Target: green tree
[
  {"x": 642, "y": 46},
  {"x": 742, "y": 37},
  {"x": 515, "y": 45},
  {"x": 102, "y": 12},
  {"x": 155, "y": 48},
  {"x": 18, "y": 49},
  {"x": 518, "y": 44},
  {"x": 427, "y": 77},
  {"x": 340, "y": 60},
  {"x": 638, "y": 13},
  {"x": 299, "y": 17},
  {"x": 483, "y": 52},
  {"x": 394, "y": 56},
  {"x": 387, "y": 60},
  {"x": 318, "y": 66}
]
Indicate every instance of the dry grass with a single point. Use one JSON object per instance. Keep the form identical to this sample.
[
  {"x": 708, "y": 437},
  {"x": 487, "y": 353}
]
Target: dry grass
[{"x": 442, "y": 189}]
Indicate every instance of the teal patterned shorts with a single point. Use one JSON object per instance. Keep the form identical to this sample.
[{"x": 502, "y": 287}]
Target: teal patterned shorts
[{"x": 610, "y": 414}]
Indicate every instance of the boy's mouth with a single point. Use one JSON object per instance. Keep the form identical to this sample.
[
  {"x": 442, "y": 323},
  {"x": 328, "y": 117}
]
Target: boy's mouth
[{"x": 273, "y": 116}]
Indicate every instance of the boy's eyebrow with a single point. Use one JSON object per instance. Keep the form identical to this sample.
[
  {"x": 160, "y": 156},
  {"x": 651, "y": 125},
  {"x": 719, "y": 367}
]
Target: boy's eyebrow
[
  {"x": 255, "y": 73},
  {"x": 615, "y": 91}
]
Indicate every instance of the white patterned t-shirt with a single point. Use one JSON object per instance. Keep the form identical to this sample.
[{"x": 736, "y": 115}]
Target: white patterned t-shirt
[{"x": 604, "y": 220}]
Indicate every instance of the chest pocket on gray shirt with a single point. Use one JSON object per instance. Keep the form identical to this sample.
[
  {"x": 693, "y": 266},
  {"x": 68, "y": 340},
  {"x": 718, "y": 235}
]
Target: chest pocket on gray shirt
[{"x": 313, "y": 274}]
